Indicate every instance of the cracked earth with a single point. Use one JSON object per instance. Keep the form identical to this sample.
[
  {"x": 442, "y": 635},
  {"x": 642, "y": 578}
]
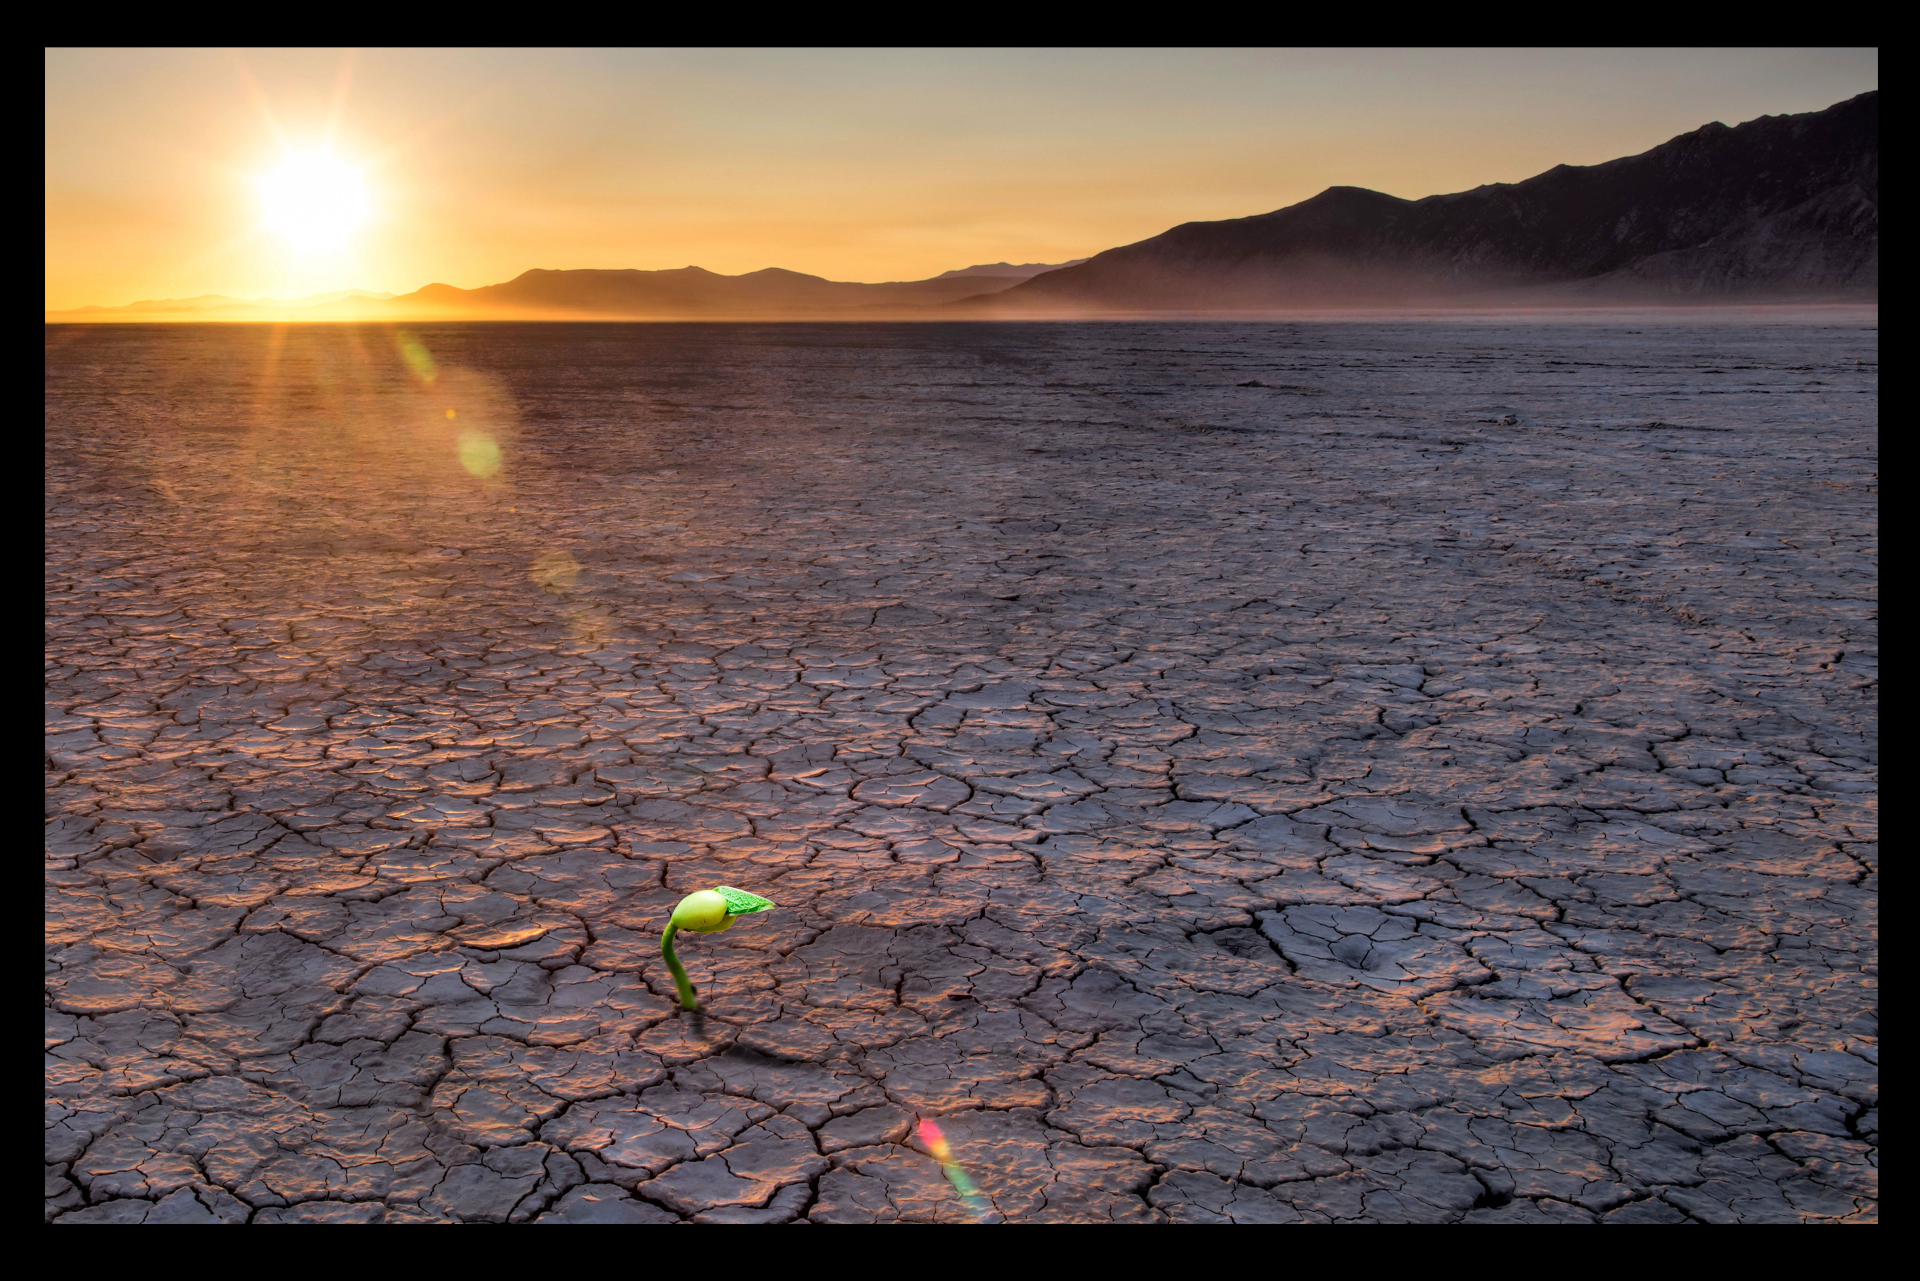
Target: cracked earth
[{"x": 1255, "y": 773}]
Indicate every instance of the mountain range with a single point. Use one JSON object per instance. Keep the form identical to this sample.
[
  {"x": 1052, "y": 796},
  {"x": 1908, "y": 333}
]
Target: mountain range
[{"x": 1781, "y": 208}]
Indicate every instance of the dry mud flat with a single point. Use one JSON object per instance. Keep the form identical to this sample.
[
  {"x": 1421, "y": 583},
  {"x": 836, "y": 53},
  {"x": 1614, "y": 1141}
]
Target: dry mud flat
[{"x": 1433, "y": 784}]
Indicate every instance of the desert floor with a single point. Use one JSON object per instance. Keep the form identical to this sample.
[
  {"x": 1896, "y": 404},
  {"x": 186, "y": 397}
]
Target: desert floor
[{"x": 1432, "y": 783}]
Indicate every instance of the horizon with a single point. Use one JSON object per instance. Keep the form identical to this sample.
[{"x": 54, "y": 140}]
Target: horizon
[
  {"x": 326, "y": 295},
  {"x": 285, "y": 174}
]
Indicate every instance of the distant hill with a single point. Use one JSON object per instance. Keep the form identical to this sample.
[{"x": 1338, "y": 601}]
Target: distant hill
[
  {"x": 215, "y": 303},
  {"x": 1022, "y": 271},
  {"x": 1782, "y": 207},
  {"x": 686, "y": 293}
]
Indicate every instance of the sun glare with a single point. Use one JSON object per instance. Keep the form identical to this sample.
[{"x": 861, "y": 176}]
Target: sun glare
[{"x": 314, "y": 200}]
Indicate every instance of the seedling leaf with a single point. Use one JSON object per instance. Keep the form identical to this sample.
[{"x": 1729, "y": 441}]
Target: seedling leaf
[{"x": 739, "y": 902}]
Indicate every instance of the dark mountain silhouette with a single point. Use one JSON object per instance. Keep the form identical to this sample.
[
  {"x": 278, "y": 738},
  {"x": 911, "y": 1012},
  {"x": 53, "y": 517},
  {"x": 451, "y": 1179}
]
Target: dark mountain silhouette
[{"x": 1781, "y": 207}]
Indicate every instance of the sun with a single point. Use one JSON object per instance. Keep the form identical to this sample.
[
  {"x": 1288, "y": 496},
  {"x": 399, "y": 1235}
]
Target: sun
[{"x": 314, "y": 200}]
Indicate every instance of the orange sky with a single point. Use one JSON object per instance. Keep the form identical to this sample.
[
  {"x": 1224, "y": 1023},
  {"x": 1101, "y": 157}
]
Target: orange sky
[{"x": 851, "y": 164}]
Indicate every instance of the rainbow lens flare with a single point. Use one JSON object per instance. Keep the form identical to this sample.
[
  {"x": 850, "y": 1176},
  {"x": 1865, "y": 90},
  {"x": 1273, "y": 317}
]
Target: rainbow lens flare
[{"x": 929, "y": 1133}]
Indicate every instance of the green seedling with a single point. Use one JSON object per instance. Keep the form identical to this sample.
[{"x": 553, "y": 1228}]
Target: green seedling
[{"x": 704, "y": 912}]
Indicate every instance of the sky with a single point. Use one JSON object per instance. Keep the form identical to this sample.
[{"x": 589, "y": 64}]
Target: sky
[{"x": 854, "y": 164}]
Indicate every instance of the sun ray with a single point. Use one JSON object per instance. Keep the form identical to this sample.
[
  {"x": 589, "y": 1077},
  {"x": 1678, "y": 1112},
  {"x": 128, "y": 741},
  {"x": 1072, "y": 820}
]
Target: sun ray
[
  {"x": 342, "y": 86},
  {"x": 259, "y": 96}
]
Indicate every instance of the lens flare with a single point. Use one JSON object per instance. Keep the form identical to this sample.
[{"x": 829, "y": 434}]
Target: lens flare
[
  {"x": 555, "y": 572},
  {"x": 479, "y": 453},
  {"x": 418, "y": 358},
  {"x": 929, "y": 1133}
]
